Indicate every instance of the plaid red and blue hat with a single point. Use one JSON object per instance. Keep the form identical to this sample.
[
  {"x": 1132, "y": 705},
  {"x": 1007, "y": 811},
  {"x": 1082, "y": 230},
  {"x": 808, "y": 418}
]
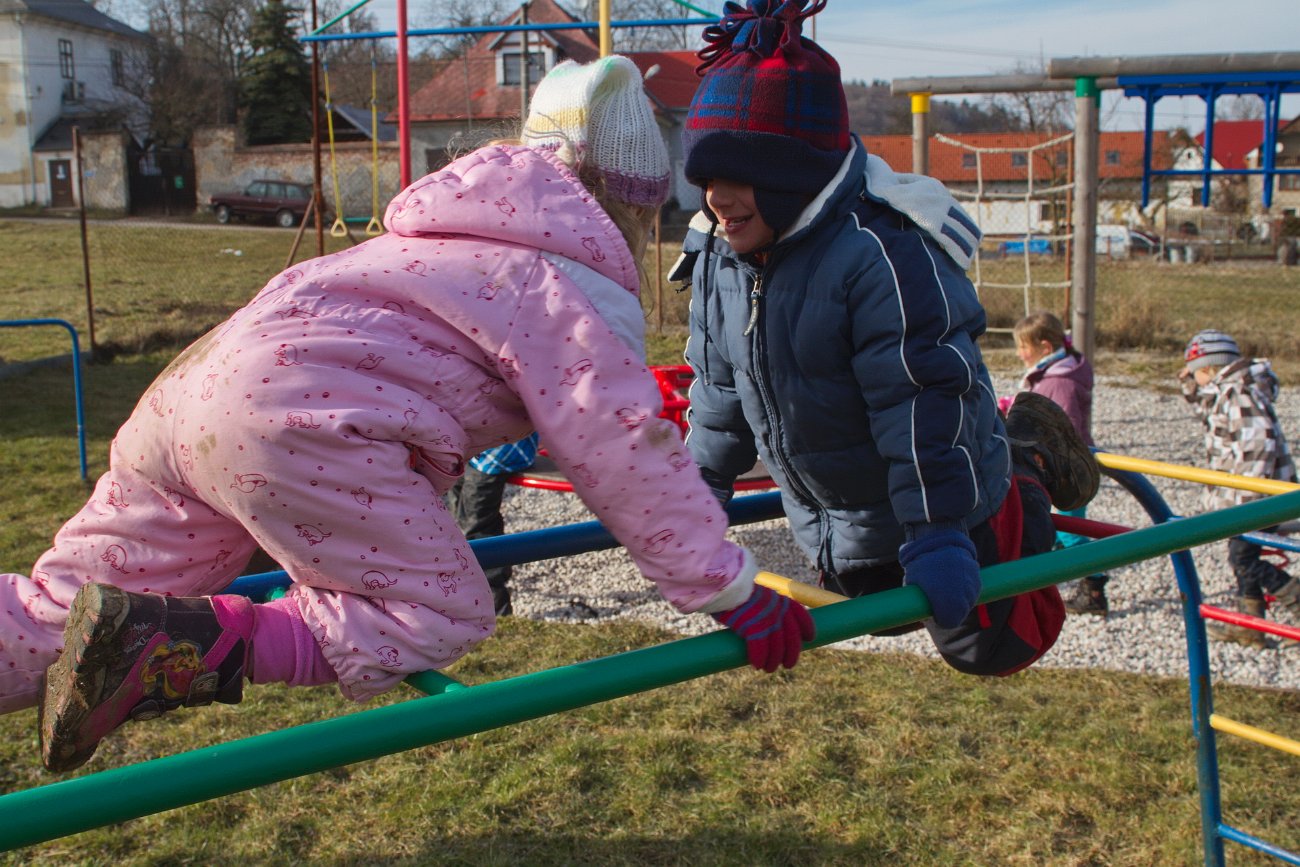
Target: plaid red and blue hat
[{"x": 770, "y": 109}]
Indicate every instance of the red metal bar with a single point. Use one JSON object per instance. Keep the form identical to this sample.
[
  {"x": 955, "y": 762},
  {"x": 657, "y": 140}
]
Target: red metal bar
[
  {"x": 1259, "y": 624},
  {"x": 1086, "y": 527},
  {"x": 403, "y": 99}
]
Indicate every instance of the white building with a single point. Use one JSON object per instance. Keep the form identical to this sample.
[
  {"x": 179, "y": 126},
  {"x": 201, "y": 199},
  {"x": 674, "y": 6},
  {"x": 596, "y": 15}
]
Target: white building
[{"x": 65, "y": 64}]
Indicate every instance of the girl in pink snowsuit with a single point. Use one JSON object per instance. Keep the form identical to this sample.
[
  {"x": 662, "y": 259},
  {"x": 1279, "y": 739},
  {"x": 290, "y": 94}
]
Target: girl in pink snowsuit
[{"x": 324, "y": 420}]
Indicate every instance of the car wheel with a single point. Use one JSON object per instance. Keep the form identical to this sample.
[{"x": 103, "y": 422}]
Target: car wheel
[
  {"x": 223, "y": 214},
  {"x": 285, "y": 219}
]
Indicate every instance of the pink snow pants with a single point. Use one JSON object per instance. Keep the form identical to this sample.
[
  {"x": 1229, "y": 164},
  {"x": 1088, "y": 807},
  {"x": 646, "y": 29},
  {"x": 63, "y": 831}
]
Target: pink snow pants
[{"x": 313, "y": 463}]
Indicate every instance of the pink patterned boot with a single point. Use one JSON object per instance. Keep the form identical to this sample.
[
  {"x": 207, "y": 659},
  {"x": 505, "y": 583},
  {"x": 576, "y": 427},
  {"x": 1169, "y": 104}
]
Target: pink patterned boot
[{"x": 136, "y": 656}]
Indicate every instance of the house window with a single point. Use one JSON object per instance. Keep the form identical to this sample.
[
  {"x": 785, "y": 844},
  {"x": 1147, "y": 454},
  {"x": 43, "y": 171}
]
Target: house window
[
  {"x": 66, "y": 67},
  {"x": 118, "y": 67},
  {"x": 1288, "y": 182},
  {"x": 510, "y": 67},
  {"x": 1112, "y": 158},
  {"x": 968, "y": 161},
  {"x": 1062, "y": 158},
  {"x": 1019, "y": 160}
]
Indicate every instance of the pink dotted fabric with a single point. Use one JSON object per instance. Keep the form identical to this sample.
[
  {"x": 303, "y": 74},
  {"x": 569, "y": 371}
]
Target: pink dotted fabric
[{"x": 324, "y": 420}]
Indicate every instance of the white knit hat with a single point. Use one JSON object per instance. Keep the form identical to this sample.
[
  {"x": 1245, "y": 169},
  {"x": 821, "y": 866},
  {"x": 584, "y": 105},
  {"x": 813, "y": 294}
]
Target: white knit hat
[{"x": 597, "y": 115}]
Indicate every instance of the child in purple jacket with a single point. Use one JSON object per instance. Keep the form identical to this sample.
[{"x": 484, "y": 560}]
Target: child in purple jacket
[{"x": 1058, "y": 371}]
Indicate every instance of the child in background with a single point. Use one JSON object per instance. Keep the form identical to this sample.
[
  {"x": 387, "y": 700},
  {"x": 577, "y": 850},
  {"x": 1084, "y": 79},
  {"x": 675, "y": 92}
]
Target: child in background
[
  {"x": 1233, "y": 397},
  {"x": 1056, "y": 370},
  {"x": 326, "y": 419},
  {"x": 834, "y": 334},
  {"x": 476, "y": 501}
]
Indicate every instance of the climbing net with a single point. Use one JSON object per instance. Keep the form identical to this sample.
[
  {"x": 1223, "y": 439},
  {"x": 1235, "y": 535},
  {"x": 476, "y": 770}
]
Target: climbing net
[{"x": 995, "y": 212}]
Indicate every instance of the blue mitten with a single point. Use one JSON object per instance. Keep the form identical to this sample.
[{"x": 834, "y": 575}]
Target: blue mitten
[{"x": 942, "y": 563}]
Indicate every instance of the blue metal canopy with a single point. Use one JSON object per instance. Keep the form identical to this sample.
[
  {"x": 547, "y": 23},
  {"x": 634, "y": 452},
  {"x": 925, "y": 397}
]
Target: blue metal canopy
[{"x": 1269, "y": 86}]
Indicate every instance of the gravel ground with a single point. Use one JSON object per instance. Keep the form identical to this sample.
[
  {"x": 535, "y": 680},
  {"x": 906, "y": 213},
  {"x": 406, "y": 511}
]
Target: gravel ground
[{"x": 1143, "y": 634}]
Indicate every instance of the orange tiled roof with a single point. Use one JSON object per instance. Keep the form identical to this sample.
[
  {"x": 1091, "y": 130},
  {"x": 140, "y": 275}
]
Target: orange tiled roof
[
  {"x": 1119, "y": 156},
  {"x": 674, "y": 84}
]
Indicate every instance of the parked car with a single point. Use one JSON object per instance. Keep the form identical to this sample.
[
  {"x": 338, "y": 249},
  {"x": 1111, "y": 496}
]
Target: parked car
[
  {"x": 1016, "y": 247},
  {"x": 284, "y": 202},
  {"x": 1143, "y": 243}
]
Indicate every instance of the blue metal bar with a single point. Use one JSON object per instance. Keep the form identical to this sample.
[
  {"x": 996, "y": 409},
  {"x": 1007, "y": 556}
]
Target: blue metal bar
[
  {"x": 76, "y": 377},
  {"x": 1225, "y": 171},
  {"x": 1253, "y": 842},
  {"x": 531, "y": 546},
  {"x": 1208, "y": 162},
  {"x": 513, "y": 28},
  {"x": 1272, "y": 117},
  {"x": 1148, "y": 134},
  {"x": 1200, "y": 80},
  {"x": 1198, "y": 665}
]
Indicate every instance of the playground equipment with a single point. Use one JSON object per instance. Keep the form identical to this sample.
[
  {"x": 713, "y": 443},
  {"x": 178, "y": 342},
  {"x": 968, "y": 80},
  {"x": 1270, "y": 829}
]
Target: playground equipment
[
  {"x": 76, "y": 376},
  {"x": 451, "y": 710},
  {"x": 1266, "y": 74}
]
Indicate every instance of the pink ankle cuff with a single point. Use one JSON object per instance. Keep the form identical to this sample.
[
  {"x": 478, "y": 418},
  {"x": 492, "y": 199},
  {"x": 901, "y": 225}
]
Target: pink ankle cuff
[{"x": 283, "y": 648}]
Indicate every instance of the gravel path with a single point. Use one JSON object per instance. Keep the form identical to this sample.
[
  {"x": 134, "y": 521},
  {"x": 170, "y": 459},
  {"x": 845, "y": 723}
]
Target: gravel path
[{"x": 1143, "y": 634}]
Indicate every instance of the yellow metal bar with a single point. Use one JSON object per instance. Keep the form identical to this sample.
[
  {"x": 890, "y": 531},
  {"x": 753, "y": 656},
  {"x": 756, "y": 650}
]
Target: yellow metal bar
[
  {"x": 606, "y": 37},
  {"x": 1250, "y": 733},
  {"x": 800, "y": 592},
  {"x": 920, "y": 103},
  {"x": 1193, "y": 474}
]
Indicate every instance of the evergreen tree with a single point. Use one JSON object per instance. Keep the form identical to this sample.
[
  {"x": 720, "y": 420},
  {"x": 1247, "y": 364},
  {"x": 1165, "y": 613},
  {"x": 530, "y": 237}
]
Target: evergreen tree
[{"x": 275, "y": 83}]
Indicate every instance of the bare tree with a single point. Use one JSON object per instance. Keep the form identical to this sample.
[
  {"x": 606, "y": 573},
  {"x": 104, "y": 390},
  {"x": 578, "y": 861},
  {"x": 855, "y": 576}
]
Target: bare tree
[
  {"x": 188, "y": 74},
  {"x": 1240, "y": 107}
]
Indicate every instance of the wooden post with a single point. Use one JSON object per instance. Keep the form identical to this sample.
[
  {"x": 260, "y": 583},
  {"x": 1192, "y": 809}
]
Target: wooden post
[
  {"x": 1083, "y": 274},
  {"x": 523, "y": 65},
  {"x": 606, "y": 36},
  {"x": 85, "y": 241},
  {"x": 921, "y": 133}
]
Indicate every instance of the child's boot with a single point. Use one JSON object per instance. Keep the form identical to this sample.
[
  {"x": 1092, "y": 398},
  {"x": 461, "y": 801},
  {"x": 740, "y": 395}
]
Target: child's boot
[
  {"x": 1219, "y": 631},
  {"x": 1288, "y": 596},
  {"x": 136, "y": 656},
  {"x": 1044, "y": 435},
  {"x": 1089, "y": 597}
]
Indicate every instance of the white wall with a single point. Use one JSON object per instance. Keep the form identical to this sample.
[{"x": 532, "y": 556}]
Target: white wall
[{"x": 31, "y": 94}]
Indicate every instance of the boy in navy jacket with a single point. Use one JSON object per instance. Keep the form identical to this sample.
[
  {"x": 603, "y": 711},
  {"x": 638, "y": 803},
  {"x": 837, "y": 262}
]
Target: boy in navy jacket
[{"x": 833, "y": 334}]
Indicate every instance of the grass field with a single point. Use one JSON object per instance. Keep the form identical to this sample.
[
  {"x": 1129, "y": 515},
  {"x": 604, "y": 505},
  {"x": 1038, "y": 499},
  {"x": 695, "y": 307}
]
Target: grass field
[{"x": 850, "y": 759}]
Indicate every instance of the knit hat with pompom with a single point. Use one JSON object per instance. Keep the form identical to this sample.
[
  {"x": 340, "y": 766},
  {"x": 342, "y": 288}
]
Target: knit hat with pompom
[{"x": 770, "y": 109}]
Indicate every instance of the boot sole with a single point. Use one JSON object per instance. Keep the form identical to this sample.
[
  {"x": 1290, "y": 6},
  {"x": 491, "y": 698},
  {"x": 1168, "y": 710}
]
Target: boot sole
[
  {"x": 1075, "y": 454},
  {"x": 73, "y": 682}
]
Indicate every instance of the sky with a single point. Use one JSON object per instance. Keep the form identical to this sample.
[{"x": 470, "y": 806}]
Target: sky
[
  {"x": 898, "y": 39},
  {"x": 889, "y": 39}
]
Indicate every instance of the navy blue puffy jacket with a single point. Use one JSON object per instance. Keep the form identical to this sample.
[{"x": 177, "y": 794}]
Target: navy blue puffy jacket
[{"x": 848, "y": 363}]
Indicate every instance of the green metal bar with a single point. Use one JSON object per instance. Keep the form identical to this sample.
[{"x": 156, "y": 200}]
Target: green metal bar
[
  {"x": 337, "y": 18},
  {"x": 63, "y": 808}
]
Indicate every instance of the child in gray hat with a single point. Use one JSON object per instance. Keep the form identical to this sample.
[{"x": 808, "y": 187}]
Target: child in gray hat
[{"x": 1233, "y": 397}]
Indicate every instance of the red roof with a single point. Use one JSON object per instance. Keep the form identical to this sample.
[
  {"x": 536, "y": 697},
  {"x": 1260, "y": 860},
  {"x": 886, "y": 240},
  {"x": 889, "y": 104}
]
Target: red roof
[
  {"x": 467, "y": 87},
  {"x": 673, "y": 85},
  {"x": 1119, "y": 155},
  {"x": 1233, "y": 139}
]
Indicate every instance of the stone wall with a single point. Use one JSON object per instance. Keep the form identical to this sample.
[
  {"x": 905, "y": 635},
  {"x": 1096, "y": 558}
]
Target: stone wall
[
  {"x": 104, "y": 170},
  {"x": 222, "y": 165}
]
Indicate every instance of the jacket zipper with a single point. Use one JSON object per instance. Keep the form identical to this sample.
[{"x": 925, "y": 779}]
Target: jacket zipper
[{"x": 777, "y": 449}]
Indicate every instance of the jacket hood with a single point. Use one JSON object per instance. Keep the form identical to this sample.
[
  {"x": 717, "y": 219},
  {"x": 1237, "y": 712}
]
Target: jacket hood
[
  {"x": 923, "y": 200},
  {"x": 1069, "y": 367},
  {"x": 1256, "y": 373},
  {"x": 515, "y": 195}
]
